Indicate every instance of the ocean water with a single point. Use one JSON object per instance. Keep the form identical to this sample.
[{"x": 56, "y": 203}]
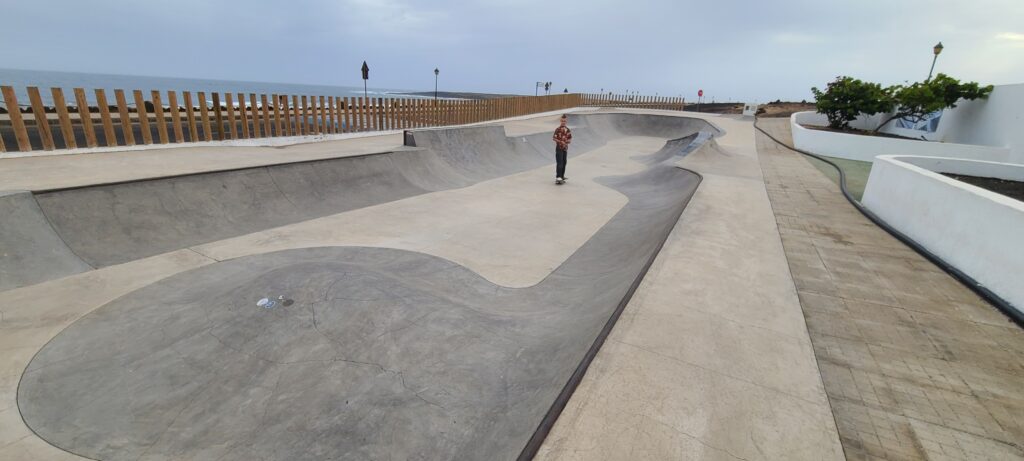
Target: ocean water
[{"x": 44, "y": 79}]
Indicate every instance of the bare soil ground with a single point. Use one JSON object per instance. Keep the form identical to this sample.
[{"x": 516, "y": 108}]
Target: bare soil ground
[
  {"x": 783, "y": 109},
  {"x": 1012, "y": 189}
]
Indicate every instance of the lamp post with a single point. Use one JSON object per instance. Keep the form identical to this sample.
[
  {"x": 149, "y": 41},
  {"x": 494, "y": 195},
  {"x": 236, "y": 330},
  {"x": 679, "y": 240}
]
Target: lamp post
[
  {"x": 936, "y": 49},
  {"x": 436, "y": 73}
]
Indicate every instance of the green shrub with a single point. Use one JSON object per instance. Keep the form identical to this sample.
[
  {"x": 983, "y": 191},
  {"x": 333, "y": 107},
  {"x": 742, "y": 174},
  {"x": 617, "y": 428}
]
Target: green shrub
[
  {"x": 846, "y": 97},
  {"x": 914, "y": 102}
]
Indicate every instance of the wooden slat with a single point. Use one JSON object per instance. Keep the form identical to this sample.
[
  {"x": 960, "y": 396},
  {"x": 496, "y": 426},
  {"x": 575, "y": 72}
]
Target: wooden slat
[
  {"x": 380, "y": 114},
  {"x": 228, "y": 101},
  {"x": 109, "y": 136},
  {"x": 39, "y": 113},
  {"x": 204, "y": 116},
  {"x": 325, "y": 112},
  {"x": 66, "y": 131},
  {"x": 266, "y": 116},
  {"x": 140, "y": 109},
  {"x": 172, "y": 101},
  {"x": 127, "y": 130},
  {"x": 362, "y": 109},
  {"x": 161, "y": 121},
  {"x": 255, "y": 110},
  {"x": 218, "y": 116},
  {"x": 371, "y": 114},
  {"x": 277, "y": 114},
  {"x": 303, "y": 117},
  {"x": 85, "y": 116},
  {"x": 242, "y": 117},
  {"x": 190, "y": 116},
  {"x": 348, "y": 114},
  {"x": 392, "y": 120},
  {"x": 314, "y": 121},
  {"x": 334, "y": 116},
  {"x": 296, "y": 129},
  {"x": 20, "y": 132},
  {"x": 282, "y": 103}
]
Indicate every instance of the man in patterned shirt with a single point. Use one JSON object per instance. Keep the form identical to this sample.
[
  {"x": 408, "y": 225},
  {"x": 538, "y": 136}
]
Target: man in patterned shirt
[{"x": 562, "y": 138}]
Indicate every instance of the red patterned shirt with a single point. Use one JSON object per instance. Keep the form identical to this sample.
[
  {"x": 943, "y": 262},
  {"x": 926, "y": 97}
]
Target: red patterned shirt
[{"x": 562, "y": 137}]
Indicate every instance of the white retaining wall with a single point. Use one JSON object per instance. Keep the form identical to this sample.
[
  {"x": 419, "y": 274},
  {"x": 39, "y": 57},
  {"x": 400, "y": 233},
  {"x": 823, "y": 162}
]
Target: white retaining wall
[
  {"x": 977, "y": 231},
  {"x": 866, "y": 148},
  {"x": 993, "y": 129}
]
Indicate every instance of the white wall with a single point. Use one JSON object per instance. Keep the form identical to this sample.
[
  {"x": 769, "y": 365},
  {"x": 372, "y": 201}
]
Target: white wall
[
  {"x": 994, "y": 122},
  {"x": 866, "y": 148},
  {"x": 977, "y": 231}
]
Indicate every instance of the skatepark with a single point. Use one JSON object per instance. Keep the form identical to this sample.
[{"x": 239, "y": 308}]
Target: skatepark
[{"x": 435, "y": 295}]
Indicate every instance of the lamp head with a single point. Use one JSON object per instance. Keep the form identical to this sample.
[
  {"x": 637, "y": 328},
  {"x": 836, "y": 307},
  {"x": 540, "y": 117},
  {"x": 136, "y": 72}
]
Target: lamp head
[{"x": 937, "y": 49}]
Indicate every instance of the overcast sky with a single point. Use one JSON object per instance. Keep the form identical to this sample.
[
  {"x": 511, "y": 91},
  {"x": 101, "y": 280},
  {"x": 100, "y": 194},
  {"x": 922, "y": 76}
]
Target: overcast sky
[{"x": 741, "y": 50}]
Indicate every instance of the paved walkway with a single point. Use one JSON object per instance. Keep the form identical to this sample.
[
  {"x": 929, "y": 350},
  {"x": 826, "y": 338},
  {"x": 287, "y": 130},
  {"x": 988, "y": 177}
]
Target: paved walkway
[
  {"x": 711, "y": 358},
  {"x": 915, "y": 365}
]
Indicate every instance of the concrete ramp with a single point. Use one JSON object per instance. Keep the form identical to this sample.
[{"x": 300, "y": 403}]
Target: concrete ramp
[{"x": 30, "y": 251}]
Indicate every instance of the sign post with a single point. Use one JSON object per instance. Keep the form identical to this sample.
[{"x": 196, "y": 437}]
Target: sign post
[{"x": 366, "y": 76}]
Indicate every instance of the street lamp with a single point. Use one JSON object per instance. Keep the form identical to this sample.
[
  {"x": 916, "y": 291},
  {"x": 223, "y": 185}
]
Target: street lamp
[
  {"x": 436, "y": 72},
  {"x": 937, "y": 49}
]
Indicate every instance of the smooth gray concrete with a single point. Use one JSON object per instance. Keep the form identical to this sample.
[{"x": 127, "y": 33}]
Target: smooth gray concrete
[
  {"x": 117, "y": 223},
  {"x": 380, "y": 349},
  {"x": 30, "y": 251}
]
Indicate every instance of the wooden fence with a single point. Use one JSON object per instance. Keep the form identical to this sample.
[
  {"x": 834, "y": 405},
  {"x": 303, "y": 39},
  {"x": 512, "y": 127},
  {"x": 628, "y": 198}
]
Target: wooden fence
[{"x": 156, "y": 117}]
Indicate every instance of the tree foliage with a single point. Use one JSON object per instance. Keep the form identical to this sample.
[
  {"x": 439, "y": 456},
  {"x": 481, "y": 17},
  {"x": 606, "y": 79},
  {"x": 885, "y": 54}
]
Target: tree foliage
[
  {"x": 914, "y": 102},
  {"x": 846, "y": 97}
]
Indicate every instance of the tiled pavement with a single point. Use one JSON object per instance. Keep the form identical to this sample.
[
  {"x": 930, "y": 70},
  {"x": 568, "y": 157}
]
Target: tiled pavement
[{"x": 915, "y": 365}]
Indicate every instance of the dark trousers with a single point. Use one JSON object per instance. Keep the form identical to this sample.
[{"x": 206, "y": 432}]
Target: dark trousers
[{"x": 561, "y": 156}]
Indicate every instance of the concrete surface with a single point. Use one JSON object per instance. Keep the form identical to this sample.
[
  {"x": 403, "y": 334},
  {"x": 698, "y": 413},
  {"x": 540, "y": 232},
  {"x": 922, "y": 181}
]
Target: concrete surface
[
  {"x": 548, "y": 322},
  {"x": 915, "y": 365},
  {"x": 976, "y": 230},
  {"x": 711, "y": 358},
  {"x": 30, "y": 250}
]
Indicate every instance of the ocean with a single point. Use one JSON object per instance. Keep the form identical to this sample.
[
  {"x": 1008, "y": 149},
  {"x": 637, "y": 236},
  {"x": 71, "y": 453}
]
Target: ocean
[{"x": 44, "y": 79}]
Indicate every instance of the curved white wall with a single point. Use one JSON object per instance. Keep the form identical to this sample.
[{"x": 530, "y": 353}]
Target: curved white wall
[
  {"x": 866, "y": 148},
  {"x": 977, "y": 231}
]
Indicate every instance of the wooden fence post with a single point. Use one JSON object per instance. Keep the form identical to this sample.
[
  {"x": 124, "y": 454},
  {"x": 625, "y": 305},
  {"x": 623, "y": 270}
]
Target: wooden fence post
[
  {"x": 230, "y": 104},
  {"x": 161, "y": 121},
  {"x": 39, "y": 113},
  {"x": 218, "y": 116},
  {"x": 66, "y": 131},
  {"x": 276, "y": 101},
  {"x": 172, "y": 99},
  {"x": 85, "y": 115},
  {"x": 14, "y": 111},
  {"x": 140, "y": 109},
  {"x": 266, "y": 115},
  {"x": 109, "y": 136},
  {"x": 255, "y": 110},
  {"x": 127, "y": 130},
  {"x": 204, "y": 116},
  {"x": 190, "y": 116}
]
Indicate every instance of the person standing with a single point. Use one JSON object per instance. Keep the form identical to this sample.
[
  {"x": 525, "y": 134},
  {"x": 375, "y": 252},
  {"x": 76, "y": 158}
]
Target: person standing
[{"x": 562, "y": 138}]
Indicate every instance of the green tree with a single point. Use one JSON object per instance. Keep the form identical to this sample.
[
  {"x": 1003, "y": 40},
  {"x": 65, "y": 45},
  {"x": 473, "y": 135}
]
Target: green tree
[
  {"x": 914, "y": 102},
  {"x": 846, "y": 97}
]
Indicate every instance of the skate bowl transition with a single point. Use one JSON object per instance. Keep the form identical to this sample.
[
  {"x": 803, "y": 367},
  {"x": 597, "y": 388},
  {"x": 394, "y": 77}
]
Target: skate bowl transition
[{"x": 374, "y": 353}]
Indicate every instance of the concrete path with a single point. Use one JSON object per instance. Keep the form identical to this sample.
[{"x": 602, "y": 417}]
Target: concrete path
[
  {"x": 605, "y": 228},
  {"x": 915, "y": 365},
  {"x": 711, "y": 359}
]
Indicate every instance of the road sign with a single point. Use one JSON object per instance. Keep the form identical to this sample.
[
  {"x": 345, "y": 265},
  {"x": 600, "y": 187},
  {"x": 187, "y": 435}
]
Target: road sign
[
  {"x": 366, "y": 71},
  {"x": 700, "y": 93}
]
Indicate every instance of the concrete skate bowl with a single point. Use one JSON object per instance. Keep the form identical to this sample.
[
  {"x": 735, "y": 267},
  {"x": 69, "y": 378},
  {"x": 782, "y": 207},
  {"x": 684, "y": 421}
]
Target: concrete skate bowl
[{"x": 373, "y": 353}]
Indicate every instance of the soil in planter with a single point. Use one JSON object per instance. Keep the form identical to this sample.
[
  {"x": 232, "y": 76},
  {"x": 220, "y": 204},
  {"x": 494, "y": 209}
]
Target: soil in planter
[
  {"x": 1012, "y": 189},
  {"x": 860, "y": 132}
]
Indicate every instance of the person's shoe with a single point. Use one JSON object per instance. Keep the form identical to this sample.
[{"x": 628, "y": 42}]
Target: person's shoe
[
  {"x": 559, "y": 181},
  {"x": 565, "y": 178}
]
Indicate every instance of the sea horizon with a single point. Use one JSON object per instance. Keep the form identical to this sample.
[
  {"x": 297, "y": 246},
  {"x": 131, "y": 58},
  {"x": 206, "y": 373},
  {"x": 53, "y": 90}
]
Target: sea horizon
[{"x": 20, "y": 79}]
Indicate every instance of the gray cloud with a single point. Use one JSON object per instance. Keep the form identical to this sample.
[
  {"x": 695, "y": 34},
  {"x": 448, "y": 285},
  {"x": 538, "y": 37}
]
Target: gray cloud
[{"x": 732, "y": 49}]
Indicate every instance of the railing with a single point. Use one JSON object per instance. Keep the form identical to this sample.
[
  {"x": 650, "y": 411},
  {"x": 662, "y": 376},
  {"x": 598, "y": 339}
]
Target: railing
[{"x": 159, "y": 117}]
